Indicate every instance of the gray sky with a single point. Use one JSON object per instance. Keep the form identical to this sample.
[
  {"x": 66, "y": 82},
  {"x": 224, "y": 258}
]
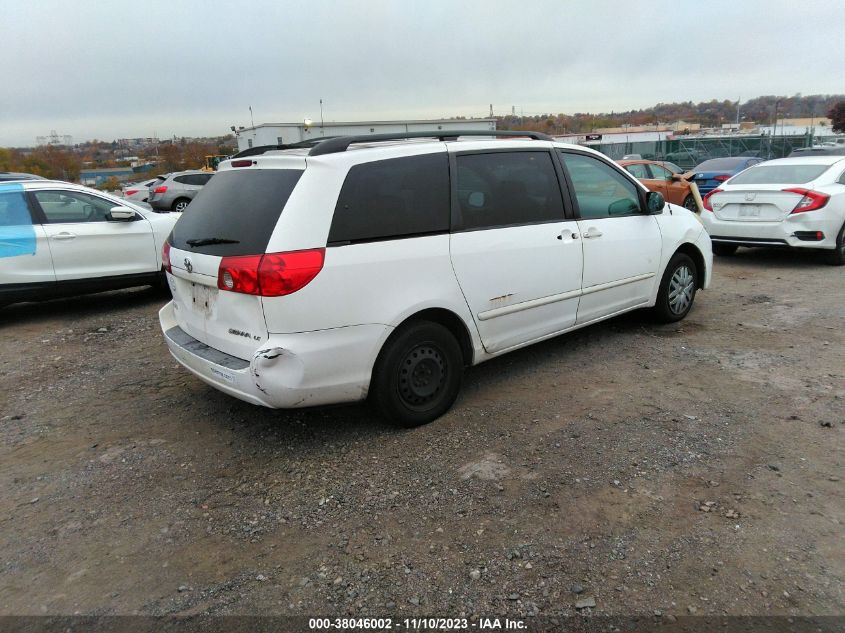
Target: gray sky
[{"x": 113, "y": 69}]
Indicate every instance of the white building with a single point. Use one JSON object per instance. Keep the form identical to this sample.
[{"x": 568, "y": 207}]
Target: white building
[{"x": 286, "y": 133}]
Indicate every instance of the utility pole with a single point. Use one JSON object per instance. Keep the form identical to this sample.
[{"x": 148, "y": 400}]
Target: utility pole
[
  {"x": 737, "y": 111},
  {"x": 251, "y": 119},
  {"x": 321, "y": 115}
]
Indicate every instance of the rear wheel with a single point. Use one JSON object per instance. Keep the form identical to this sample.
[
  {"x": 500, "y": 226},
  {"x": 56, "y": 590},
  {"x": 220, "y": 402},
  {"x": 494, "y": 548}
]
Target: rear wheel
[
  {"x": 418, "y": 374},
  {"x": 724, "y": 249},
  {"x": 689, "y": 203},
  {"x": 836, "y": 257},
  {"x": 180, "y": 204},
  {"x": 677, "y": 289}
]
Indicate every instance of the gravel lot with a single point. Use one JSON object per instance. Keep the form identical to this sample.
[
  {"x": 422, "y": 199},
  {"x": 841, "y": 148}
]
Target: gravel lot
[{"x": 660, "y": 470}]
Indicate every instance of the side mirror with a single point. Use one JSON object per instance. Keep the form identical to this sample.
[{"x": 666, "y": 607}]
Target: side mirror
[
  {"x": 120, "y": 214},
  {"x": 654, "y": 202}
]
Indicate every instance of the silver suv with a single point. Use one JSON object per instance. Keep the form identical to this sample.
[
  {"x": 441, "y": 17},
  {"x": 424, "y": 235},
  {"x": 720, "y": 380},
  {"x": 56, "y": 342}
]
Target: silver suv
[{"x": 175, "y": 191}]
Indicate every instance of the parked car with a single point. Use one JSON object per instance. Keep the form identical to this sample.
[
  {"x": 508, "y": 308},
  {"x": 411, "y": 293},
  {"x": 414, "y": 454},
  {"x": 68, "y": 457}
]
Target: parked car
[
  {"x": 308, "y": 277},
  {"x": 655, "y": 175},
  {"x": 712, "y": 173},
  {"x": 831, "y": 150},
  {"x": 686, "y": 158},
  {"x": 139, "y": 191},
  {"x": 59, "y": 239},
  {"x": 175, "y": 191},
  {"x": 797, "y": 202},
  {"x": 6, "y": 176}
]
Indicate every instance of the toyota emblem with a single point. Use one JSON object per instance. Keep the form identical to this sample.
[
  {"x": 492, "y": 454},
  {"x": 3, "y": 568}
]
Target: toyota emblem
[{"x": 188, "y": 265}]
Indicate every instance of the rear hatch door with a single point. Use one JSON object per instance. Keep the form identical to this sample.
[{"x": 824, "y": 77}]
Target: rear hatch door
[{"x": 233, "y": 216}]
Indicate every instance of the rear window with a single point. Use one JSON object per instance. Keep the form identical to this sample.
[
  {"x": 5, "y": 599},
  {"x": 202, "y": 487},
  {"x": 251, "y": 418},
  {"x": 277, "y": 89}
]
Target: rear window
[
  {"x": 719, "y": 164},
  {"x": 241, "y": 207},
  {"x": 779, "y": 174}
]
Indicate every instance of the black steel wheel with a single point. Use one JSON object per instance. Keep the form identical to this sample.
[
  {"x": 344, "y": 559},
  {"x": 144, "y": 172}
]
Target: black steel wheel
[{"x": 418, "y": 374}]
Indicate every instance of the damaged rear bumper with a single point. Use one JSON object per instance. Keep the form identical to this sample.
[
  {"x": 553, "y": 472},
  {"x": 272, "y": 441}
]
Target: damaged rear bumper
[{"x": 288, "y": 370}]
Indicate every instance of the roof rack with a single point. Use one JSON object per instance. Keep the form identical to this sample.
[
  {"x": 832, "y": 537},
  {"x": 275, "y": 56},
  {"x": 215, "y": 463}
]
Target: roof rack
[
  {"x": 261, "y": 149},
  {"x": 342, "y": 143}
]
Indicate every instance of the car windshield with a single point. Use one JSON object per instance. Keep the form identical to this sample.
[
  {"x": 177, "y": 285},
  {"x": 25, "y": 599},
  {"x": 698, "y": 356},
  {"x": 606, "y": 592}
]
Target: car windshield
[
  {"x": 721, "y": 164},
  {"x": 779, "y": 174}
]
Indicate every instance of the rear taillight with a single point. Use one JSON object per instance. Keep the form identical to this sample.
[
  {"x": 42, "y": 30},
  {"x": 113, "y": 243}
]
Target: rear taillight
[
  {"x": 165, "y": 256},
  {"x": 270, "y": 275},
  {"x": 705, "y": 201},
  {"x": 160, "y": 189},
  {"x": 810, "y": 200},
  {"x": 130, "y": 192},
  {"x": 721, "y": 177}
]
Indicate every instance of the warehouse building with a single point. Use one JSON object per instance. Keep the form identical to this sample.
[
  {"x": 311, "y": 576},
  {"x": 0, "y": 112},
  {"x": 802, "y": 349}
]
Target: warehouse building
[{"x": 286, "y": 133}]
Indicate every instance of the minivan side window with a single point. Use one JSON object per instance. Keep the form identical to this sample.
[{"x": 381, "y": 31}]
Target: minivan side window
[
  {"x": 601, "y": 191},
  {"x": 393, "y": 198},
  {"x": 507, "y": 188}
]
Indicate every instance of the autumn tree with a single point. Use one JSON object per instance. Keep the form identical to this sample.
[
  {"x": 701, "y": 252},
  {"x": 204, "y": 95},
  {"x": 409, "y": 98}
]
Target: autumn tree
[{"x": 836, "y": 114}]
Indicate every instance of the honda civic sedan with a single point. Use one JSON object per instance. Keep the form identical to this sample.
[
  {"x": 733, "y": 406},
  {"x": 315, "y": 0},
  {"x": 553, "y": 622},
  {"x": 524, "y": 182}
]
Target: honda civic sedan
[{"x": 791, "y": 202}]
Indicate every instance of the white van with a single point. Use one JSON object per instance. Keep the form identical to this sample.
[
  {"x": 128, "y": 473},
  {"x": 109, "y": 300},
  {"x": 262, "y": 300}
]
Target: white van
[{"x": 381, "y": 266}]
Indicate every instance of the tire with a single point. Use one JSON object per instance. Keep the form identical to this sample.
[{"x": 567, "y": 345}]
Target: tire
[
  {"x": 836, "y": 257},
  {"x": 724, "y": 250},
  {"x": 689, "y": 204},
  {"x": 418, "y": 374},
  {"x": 180, "y": 203},
  {"x": 677, "y": 289}
]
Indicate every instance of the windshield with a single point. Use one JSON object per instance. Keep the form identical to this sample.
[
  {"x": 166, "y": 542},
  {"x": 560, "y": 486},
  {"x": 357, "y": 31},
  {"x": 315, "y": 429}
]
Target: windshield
[
  {"x": 779, "y": 174},
  {"x": 236, "y": 212}
]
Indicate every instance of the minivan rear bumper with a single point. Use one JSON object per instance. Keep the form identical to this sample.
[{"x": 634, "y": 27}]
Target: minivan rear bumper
[{"x": 288, "y": 370}]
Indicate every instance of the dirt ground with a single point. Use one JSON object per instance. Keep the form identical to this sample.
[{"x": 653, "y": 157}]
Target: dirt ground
[{"x": 660, "y": 470}]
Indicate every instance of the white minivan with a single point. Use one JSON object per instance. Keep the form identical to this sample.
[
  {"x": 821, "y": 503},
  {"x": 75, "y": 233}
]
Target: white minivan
[{"x": 380, "y": 266}]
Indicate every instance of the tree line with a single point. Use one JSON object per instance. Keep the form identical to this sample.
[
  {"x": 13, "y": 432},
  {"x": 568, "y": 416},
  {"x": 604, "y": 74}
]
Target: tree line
[{"x": 714, "y": 113}]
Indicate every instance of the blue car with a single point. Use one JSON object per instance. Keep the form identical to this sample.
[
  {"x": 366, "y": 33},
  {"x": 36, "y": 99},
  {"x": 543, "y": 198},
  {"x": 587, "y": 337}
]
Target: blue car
[{"x": 712, "y": 173}]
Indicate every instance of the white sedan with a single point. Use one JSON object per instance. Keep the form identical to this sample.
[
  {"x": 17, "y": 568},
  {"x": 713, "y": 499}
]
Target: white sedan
[
  {"x": 139, "y": 191},
  {"x": 796, "y": 202},
  {"x": 60, "y": 239}
]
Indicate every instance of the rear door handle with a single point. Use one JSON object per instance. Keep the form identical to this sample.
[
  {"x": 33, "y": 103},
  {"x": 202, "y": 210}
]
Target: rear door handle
[
  {"x": 64, "y": 235},
  {"x": 591, "y": 233}
]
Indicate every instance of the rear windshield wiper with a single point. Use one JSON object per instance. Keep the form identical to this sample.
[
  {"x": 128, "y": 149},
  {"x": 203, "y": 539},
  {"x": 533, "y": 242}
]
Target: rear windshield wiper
[{"x": 205, "y": 241}]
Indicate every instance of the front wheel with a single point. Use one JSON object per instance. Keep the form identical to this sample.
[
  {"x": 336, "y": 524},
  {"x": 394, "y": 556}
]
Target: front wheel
[
  {"x": 677, "y": 289},
  {"x": 418, "y": 374}
]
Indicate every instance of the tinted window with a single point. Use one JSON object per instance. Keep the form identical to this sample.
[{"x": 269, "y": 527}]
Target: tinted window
[
  {"x": 637, "y": 171},
  {"x": 779, "y": 174},
  {"x": 600, "y": 189},
  {"x": 239, "y": 205},
  {"x": 73, "y": 207},
  {"x": 392, "y": 198},
  {"x": 193, "y": 179},
  {"x": 506, "y": 188}
]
